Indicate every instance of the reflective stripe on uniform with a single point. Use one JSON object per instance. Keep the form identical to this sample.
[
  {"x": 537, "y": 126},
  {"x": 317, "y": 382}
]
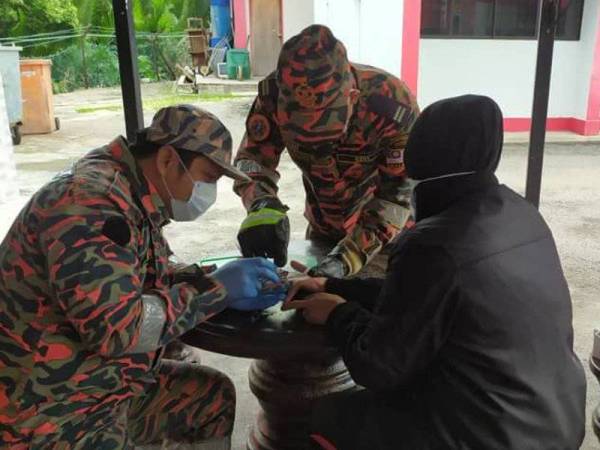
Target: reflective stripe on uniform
[
  {"x": 153, "y": 323},
  {"x": 264, "y": 216}
]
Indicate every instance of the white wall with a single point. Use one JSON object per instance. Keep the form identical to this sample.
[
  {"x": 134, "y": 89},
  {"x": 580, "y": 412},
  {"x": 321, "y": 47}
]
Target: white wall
[
  {"x": 343, "y": 17},
  {"x": 371, "y": 30},
  {"x": 297, "y": 15},
  {"x": 381, "y": 34},
  {"x": 505, "y": 71}
]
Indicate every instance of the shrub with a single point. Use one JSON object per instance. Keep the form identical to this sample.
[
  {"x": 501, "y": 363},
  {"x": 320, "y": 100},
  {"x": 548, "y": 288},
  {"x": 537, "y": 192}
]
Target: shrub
[{"x": 102, "y": 67}]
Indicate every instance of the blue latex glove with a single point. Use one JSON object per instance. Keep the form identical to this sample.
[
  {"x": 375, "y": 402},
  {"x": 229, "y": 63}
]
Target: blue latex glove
[
  {"x": 261, "y": 302},
  {"x": 245, "y": 280}
]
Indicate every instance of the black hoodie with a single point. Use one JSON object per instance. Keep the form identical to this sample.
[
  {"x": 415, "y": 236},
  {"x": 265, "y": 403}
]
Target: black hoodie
[{"x": 474, "y": 316}]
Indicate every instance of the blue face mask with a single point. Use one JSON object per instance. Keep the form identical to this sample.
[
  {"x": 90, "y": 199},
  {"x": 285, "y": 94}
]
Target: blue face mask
[{"x": 204, "y": 195}]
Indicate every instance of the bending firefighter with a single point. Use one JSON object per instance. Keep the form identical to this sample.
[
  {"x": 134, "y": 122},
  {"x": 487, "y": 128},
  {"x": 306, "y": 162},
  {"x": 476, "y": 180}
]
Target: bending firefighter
[{"x": 345, "y": 126}]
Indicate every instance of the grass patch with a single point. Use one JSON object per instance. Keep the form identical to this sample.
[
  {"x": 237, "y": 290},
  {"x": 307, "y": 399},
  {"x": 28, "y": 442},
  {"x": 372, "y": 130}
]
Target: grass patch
[{"x": 153, "y": 104}]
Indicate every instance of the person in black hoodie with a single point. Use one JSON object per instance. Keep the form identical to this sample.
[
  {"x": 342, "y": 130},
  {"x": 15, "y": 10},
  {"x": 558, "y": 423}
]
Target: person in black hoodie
[{"x": 468, "y": 341}]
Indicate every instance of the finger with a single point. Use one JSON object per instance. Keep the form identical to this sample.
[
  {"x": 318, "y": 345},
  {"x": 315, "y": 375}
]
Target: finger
[
  {"x": 294, "y": 289},
  {"x": 268, "y": 274},
  {"x": 294, "y": 304},
  {"x": 299, "y": 267},
  {"x": 316, "y": 297}
]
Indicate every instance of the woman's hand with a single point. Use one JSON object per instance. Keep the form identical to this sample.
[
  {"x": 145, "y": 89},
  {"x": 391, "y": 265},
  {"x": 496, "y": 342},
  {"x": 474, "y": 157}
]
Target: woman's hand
[{"x": 316, "y": 308}]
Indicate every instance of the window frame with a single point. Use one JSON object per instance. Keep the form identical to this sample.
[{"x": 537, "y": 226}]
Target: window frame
[{"x": 494, "y": 37}]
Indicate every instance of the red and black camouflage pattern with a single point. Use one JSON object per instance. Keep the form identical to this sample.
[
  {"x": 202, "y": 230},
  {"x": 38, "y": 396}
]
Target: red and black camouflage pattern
[
  {"x": 314, "y": 80},
  {"x": 357, "y": 191},
  {"x": 73, "y": 268},
  {"x": 187, "y": 127},
  {"x": 189, "y": 403}
]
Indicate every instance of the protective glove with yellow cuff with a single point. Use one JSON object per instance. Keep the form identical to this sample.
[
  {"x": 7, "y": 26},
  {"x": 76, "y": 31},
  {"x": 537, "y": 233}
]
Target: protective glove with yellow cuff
[{"x": 266, "y": 231}]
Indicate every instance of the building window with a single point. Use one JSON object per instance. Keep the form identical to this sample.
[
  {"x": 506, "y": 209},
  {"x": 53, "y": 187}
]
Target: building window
[{"x": 495, "y": 19}]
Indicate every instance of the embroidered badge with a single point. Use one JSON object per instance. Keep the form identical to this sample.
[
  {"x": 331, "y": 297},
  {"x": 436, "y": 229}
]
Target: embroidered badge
[
  {"x": 259, "y": 127},
  {"x": 395, "y": 157},
  {"x": 306, "y": 96}
]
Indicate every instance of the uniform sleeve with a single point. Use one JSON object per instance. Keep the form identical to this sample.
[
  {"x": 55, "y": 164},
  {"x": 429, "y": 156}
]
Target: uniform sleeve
[
  {"x": 387, "y": 213},
  {"x": 386, "y": 349},
  {"x": 97, "y": 284},
  {"x": 258, "y": 155}
]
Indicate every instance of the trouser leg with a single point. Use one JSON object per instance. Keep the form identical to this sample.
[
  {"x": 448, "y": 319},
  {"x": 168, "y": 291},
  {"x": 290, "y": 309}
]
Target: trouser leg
[{"x": 189, "y": 404}]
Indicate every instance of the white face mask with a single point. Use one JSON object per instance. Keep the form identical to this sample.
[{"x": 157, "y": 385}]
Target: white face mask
[
  {"x": 413, "y": 202},
  {"x": 204, "y": 195}
]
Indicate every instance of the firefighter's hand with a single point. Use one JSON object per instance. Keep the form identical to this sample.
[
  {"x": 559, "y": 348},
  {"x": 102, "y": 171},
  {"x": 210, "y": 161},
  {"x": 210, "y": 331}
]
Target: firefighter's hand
[{"x": 266, "y": 231}]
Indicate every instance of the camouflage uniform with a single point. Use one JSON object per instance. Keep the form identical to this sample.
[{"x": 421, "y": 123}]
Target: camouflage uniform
[
  {"x": 84, "y": 270},
  {"x": 356, "y": 188}
]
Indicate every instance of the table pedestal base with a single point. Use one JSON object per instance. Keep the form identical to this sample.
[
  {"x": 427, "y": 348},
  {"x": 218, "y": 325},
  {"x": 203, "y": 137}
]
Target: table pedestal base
[{"x": 287, "y": 392}]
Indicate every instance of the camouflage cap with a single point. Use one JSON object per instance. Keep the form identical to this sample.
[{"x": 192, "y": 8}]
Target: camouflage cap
[
  {"x": 314, "y": 80},
  {"x": 187, "y": 127}
]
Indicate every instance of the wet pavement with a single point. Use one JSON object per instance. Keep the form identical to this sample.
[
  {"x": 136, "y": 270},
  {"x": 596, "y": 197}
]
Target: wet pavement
[{"x": 570, "y": 204}]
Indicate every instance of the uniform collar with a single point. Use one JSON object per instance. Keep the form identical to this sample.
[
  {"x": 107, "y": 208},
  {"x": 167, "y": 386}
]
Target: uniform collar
[{"x": 147, "y": 194}]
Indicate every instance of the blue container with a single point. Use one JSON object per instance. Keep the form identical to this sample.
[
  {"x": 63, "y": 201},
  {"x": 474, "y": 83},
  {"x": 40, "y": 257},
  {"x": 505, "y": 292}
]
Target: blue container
[{"x": 220, "y": 19}]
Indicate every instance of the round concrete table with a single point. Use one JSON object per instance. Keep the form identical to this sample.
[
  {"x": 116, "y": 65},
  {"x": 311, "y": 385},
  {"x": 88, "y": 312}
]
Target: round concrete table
[{"x": 294, "y": 364}]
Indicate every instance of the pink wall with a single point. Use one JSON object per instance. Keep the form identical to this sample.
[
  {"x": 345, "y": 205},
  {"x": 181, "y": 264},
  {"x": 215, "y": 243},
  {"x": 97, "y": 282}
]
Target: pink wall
[
  {"x": 240, "y": 23},
  {"x": 593, "y": 114},
  {"x": 411, "y": 38}
]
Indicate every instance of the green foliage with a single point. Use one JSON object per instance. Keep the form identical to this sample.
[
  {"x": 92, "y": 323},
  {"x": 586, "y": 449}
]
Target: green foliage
[
  {"x": 158, "y": 56},
  {"x": 162, "y": 55},
  {"x": 10, "y": 11},
  {"x": 160, "y": 16},
  {"x": 102, "y": 67},
  {"x": 38, "y": 16},
  {"x": 48, "y": 15},
  {"x": 97, "y": 13},
  {"x": 154, "y": 16},
  {"x": 146, "y": 67}
]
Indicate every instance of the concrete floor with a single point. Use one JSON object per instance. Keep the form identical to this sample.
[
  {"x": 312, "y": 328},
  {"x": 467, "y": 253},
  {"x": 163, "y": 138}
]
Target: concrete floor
[{"x": 570, "y": 204}]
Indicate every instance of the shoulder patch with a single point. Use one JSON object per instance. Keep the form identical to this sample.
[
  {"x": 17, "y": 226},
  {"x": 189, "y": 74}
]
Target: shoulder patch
[
  {"x": 402, "y": 114},
  {"x": 258, "y": 127},
  {"x": 117, "y": 230}
]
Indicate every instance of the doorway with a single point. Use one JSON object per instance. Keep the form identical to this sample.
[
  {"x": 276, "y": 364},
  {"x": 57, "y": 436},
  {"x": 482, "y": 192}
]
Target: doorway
[{"x": 265, "y": 35}]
